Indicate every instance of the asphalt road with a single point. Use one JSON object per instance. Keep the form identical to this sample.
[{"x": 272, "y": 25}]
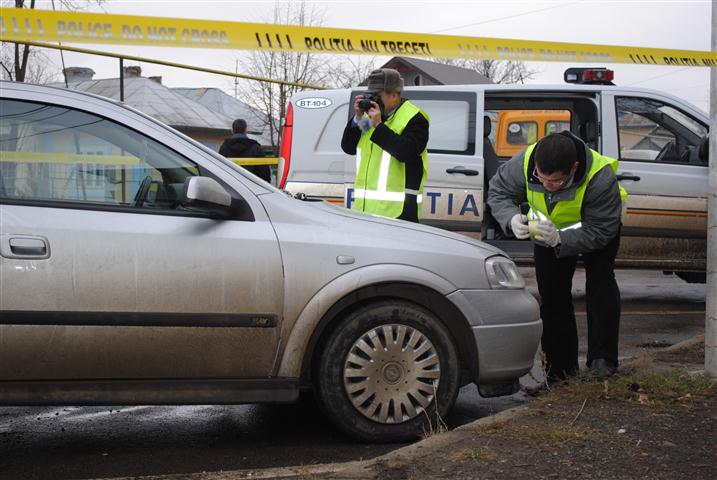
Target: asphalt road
[{"x": 96, "y": 442}]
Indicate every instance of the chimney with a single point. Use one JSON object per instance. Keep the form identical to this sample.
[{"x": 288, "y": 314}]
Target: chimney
[
  {"x": 78, "y": 74},
  {"x": 157, "y": 79},
  {"x": 133, "y": 71}
]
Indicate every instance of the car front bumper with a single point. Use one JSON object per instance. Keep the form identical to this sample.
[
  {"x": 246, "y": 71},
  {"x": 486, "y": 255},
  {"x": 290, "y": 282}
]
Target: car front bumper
[{"x": 506, "y": 327}]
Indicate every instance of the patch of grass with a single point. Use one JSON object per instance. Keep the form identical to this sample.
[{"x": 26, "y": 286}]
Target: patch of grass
[
  {"x": 662, "y": 387},
  {"x": 654, "y": 388},
  {"x": 554, "y": 435},
  {"x": 476, "y": 453},
  {"x": 434, "y": 429},
  {"x": 540, "y": 435}
]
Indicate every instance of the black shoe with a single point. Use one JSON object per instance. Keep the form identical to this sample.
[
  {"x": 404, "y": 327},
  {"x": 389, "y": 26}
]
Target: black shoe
[
  {"x": 557, "y": 375},
  {"x": 601, "y": 368}
]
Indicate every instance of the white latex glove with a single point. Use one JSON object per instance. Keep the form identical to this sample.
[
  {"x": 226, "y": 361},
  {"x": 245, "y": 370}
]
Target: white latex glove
[
  {"x": 519, "y": 226},
  {"x": 547, "y": 233}
]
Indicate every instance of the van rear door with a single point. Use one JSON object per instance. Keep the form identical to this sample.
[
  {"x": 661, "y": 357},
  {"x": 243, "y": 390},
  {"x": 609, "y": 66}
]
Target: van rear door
[{"x": 316, "y": 165}]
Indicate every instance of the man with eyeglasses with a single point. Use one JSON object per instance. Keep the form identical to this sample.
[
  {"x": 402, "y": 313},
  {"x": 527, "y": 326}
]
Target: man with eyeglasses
[{"x": 575, "y": 207}]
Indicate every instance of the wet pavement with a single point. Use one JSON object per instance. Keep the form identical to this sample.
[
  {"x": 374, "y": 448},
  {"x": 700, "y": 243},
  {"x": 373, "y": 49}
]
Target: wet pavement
[{"x": 92, "y": 442}]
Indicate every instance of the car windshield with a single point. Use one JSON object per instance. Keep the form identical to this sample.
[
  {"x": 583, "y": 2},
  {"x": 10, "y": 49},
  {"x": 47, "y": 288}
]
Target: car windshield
[{"x": 694, "y": 126}]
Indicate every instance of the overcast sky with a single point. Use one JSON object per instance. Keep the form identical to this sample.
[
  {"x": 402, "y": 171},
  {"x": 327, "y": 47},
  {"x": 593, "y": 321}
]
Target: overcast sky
[{"x": 681, "y": 24}]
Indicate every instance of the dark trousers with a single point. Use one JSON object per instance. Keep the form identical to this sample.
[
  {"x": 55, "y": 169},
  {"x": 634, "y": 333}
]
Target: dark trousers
[{"x": 602, "y": 298}]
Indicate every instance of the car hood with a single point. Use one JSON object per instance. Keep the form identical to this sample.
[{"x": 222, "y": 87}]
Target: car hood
[{"x": 344, "y": 212}]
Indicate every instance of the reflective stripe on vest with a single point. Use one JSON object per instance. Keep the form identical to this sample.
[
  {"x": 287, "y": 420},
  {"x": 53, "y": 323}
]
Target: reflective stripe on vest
[
  {"x": 380, "y": 187},
  {"x": 566, "y": 213}
]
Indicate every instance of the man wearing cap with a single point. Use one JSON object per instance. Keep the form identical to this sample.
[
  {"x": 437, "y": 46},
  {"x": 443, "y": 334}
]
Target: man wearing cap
[
  {"x": 389, "y": 140},
  {"x": 575, "y": 208}
]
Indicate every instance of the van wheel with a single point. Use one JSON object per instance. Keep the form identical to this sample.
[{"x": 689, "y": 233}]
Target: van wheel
[{"x": 384, "y": 369}]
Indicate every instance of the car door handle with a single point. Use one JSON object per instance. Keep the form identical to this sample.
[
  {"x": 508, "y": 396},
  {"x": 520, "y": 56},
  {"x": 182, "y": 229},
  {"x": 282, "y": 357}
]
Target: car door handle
[
  {"x": 628, "y": 176},
  {"x": 24, "y": 246},
  {"x": 465, "y": 171}
]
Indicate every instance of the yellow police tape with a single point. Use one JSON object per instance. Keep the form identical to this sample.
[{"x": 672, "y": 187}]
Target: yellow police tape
[
  {"x": 18, "y": 24},
  {"x": 79, "y": 158},
  {"x": 67, "y": 158},
  {"x": 255, "y": 161}
]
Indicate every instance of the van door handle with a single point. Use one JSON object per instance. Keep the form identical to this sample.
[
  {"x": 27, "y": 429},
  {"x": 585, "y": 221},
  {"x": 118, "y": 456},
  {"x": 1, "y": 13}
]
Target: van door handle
[
  {"x": 628, "y": 176},
  {"x": 24, "y": 246},
  {"x": 465, "y": 171}
]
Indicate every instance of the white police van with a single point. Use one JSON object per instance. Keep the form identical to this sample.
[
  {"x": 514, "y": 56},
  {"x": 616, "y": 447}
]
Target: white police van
[{"x": 660, "y": 140}]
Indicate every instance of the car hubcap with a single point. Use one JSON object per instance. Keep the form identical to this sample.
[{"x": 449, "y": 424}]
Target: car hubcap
[{"x": 391, "y": 373}]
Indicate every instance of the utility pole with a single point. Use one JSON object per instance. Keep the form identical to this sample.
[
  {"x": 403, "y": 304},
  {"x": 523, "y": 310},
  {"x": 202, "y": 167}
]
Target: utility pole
[{"x": 711, "y": 301}]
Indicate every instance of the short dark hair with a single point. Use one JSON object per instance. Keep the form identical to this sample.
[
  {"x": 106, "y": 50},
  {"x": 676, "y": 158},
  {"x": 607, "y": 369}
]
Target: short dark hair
[
  {"x": 239, "y": 125},
  {"x": 555, "y": 153}
]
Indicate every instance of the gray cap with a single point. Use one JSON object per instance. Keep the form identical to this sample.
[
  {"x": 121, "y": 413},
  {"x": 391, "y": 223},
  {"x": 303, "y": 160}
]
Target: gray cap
[{"x": 386, "y": 79}]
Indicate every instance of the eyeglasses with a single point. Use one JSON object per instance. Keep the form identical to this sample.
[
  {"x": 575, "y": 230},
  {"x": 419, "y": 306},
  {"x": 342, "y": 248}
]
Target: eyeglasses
[{"x": 555, "y": 183}]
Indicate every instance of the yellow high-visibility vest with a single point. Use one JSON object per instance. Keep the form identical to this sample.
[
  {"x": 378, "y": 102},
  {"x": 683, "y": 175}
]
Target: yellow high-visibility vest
[
  {"x": 567, "y": 212},
  {"x": 380, "y": 185}
]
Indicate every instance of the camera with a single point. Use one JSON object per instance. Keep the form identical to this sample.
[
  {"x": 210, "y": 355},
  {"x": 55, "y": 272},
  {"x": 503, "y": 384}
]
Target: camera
[{"x": 365, "y": 102}]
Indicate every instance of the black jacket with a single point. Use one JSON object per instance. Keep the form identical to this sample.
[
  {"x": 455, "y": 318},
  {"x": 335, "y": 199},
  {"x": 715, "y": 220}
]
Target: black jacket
[
  {"x": 241, "y": 146},
  {"x": 406, "y": 147}
]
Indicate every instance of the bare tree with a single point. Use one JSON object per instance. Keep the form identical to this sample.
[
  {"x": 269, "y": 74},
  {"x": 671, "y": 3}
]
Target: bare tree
[
  {"x": 299, "y": 67},
  {"x": 347, "y": 72},
  {"x": 499, "y": 71},
  {"x": 20, "y": 62},
  {"x": 39, "y": 67}
]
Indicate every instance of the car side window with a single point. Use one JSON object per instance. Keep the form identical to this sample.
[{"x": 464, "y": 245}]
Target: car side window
[
  {"x": 52, "y": 153},
  {"x": 649, "y": 130}
]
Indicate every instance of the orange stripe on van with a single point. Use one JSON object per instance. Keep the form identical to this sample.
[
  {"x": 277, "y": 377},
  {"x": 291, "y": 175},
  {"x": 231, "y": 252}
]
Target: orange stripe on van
[{"x": 666, "y": 213}]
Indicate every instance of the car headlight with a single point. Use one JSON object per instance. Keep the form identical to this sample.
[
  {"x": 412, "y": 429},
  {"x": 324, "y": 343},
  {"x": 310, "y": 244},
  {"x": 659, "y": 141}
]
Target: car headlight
[{"x": 502, "y": 273}]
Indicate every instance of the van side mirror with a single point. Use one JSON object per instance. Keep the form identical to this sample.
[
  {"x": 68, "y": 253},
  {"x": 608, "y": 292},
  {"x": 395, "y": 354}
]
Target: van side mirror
[{"x": 204, "y": 194}]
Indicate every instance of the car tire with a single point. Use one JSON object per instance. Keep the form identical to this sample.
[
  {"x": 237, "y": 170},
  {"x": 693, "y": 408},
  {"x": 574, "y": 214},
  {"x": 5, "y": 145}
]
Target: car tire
[{"x": 378, "y": 371}]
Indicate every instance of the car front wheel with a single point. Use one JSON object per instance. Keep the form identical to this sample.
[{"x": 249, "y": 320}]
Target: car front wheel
[{"x": 388, "y": 372}]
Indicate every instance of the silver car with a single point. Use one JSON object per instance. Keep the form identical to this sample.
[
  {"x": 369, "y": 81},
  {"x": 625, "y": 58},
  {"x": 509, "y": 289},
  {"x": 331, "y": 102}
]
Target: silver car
[{"x": 139, "y": 267}]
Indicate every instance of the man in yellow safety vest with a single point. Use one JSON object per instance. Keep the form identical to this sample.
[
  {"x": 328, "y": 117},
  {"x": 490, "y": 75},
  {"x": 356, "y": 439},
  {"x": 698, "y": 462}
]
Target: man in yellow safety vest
[
  {"x": 575, "y": 208},
  {"x": 388, "y": 135}
]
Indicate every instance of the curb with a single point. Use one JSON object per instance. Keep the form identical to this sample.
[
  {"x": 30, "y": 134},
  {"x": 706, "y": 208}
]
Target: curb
[
  {"x": 353, "y": 469},
  {"x": 304, "y": 471}
]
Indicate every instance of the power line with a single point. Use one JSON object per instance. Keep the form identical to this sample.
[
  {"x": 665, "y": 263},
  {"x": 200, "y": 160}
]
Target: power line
[
  {"x": 504, "y": 18},
  {"x": 656, "y": 77}
]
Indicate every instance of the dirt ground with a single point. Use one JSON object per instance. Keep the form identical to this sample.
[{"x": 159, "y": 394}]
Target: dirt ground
[{"x": 654, "y": 420}]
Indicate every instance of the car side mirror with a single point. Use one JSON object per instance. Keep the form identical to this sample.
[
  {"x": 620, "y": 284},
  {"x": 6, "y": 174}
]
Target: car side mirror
[{"x": 204, "y": 194}]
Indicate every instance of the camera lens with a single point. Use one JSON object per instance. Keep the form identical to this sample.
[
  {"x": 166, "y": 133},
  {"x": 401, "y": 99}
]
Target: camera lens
[{"x": 365, "y": 104}]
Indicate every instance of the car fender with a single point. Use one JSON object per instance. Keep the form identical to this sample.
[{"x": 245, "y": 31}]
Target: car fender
[{"x": 290, "y": 357}]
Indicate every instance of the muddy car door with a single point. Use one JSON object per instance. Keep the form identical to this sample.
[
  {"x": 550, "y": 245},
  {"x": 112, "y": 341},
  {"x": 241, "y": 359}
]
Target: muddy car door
[{"x": 104, "y": 274}]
